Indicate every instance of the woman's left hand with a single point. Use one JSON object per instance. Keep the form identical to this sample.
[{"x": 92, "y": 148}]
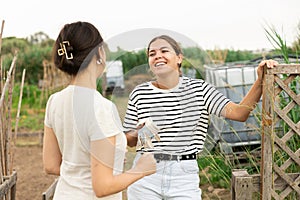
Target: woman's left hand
[{"x": 260, "y": 69}]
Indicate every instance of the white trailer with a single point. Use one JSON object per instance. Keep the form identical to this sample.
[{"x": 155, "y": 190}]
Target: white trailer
[{"x": 114, "y": 77}]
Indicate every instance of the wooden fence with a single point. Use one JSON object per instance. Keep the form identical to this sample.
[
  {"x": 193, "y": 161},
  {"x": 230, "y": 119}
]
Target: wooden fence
[
  {"x": 53, "y": 79},
  {"x": 8, "y": 177},
  {"x": 8, "y": 187},
  {"x": 280, "y": 165}
]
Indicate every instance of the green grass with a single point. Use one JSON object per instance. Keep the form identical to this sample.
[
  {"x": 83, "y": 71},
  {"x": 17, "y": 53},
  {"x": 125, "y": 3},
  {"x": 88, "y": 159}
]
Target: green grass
[
  {"x": 31, "y": 119},
  {"x": 215, "y": 171}
]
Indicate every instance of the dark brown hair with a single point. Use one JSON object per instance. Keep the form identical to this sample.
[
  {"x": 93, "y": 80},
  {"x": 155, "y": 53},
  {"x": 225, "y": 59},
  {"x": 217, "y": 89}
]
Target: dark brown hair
[
  {"x": 168, "y": 39},
  {"x": 83, "y": 39}
]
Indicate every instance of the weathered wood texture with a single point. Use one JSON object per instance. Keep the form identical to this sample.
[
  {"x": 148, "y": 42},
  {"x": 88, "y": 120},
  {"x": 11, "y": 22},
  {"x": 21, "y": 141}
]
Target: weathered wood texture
[
  {"x": 280, "y": 165},
  {"x": 280, "y": 159},
  {"x": 8, "y": 187}
]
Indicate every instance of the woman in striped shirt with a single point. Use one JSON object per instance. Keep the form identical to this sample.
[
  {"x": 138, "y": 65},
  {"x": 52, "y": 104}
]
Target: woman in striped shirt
[{"x": 180, "y": 108}]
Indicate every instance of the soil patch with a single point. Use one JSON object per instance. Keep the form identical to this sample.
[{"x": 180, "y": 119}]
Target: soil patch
[{"x": 32, "y": 180}]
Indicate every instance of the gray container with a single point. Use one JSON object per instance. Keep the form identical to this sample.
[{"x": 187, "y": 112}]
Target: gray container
[{"x": 234, "y": 80}]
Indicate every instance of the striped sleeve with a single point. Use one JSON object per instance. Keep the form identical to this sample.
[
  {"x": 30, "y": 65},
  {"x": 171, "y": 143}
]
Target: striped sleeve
[
  {"x": 214, "y": 100},
  {"x": 131, "y": 116}
]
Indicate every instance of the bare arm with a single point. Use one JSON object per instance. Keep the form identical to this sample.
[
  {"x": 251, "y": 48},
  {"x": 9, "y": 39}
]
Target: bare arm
[
  {"x": 241, "y": 111},
  {"x": 102, "y": 162},
  {"x": 51, "y": 153}
]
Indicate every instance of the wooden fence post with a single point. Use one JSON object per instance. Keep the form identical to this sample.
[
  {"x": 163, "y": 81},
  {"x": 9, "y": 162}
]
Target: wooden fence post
[
  {"x": 241, "y": 185},
  {"x": 278, "y": 179},
  {"x": 267, "y": 131}
]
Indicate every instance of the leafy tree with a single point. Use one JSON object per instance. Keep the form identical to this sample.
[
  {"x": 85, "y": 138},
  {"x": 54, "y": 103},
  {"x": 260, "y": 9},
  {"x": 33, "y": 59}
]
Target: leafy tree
[
  {"x": 130, "y": 59},
  {"x": 32, "y": 61},
  {"x": 38, "y": 38},
  {"x": 233, "y": 56},
  {"x": 197, "y": 55},
  {"x": 30, "y": 55},
  {"x": 12, "y": 44}
]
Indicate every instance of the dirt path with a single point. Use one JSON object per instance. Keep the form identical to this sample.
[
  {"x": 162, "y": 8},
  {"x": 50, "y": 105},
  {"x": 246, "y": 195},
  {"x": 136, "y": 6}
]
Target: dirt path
[{"x": 32, "y": 181}]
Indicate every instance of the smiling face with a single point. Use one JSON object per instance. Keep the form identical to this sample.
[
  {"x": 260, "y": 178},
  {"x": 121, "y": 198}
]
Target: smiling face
[{"x": 162, "y": 58}]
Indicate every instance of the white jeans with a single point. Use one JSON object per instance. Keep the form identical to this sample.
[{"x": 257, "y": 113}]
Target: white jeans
[{"x": 173, "y": 180}]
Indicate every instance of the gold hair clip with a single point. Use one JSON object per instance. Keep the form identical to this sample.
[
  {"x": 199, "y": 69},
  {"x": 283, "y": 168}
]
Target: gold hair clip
[{"x": 63, "y": 50}]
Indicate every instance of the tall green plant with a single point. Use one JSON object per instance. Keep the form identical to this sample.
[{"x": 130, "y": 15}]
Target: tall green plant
[{"x": 277, "y": 41}]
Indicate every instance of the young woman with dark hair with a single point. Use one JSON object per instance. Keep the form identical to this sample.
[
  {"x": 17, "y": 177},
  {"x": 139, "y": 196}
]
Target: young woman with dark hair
[
  {"x": 83, "y": 139},
  {"x": 179, "y": 107}
]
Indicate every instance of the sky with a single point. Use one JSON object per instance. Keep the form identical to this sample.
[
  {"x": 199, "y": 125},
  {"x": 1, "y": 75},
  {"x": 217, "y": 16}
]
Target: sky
[{"x": 209, "y": 24}]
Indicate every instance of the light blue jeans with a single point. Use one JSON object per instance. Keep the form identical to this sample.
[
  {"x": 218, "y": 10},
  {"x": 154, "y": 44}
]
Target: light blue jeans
[{"x": 173, "y": 180}]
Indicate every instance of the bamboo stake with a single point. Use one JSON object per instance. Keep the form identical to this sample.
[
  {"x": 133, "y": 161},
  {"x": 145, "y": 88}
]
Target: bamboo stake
[
  {"x": 44, "y": 83},
  {"x": 1, "y": 68},
  {"x": 17, "y": 120},
  {"x": 9, "y": 125},
  {"x": 1, "y": 33},
  {"x": 9, "y": 74},
  {"x": 2, "y": 128},
  {"x": 2, "y": 113},
  {"x": 1, "y": 75},
  {"x": 1, "y": 109}
]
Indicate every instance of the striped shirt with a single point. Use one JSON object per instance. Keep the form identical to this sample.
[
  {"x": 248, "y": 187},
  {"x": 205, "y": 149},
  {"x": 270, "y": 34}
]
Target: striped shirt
[{"x": 181, "y": 113}]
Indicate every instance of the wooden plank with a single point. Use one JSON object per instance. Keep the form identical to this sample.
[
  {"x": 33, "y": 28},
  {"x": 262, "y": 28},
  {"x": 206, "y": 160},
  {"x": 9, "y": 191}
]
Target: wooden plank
[
  {"x": 287, "y": 90},
  {"x": 287, "y": 150},
  {"x": 286, "y": 81},
  {"x": 267, "y": 141},
  {"x": 288, "y": 135},
  {"x": 290, "y": 182},
  {"x": 9, "y": 182},
  {"x": 49, "y": 193},
  {"x": 289, "y": 161},
  {"x": 285, "y": 183},
  {"x": 285, "y": 69},
  {"x": 292, "y": 125},
  {"x": 241, "y": 186},
  {"x": 275, "y": 195},
  {"x": 279, "y": 183},
  {"x": 287, "y": 108},
  {"x": 285, "y": 192}
]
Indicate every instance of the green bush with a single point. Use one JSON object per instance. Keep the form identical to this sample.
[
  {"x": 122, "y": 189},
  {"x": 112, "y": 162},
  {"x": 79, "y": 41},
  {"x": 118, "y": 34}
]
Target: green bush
[{"x": 31, "y": 96}]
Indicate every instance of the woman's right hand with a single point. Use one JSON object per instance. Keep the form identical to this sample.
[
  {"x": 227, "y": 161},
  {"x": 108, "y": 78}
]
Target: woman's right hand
[
  {"x": 269, "y": 63},
  {"x": 146, "y": 164}
]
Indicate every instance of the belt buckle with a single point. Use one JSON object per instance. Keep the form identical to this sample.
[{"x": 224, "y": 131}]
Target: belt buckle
[
  {"x": 158, "y": 157},
  {"x": 161, "y": 156},
  {"x": 179, "y": 157}
]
